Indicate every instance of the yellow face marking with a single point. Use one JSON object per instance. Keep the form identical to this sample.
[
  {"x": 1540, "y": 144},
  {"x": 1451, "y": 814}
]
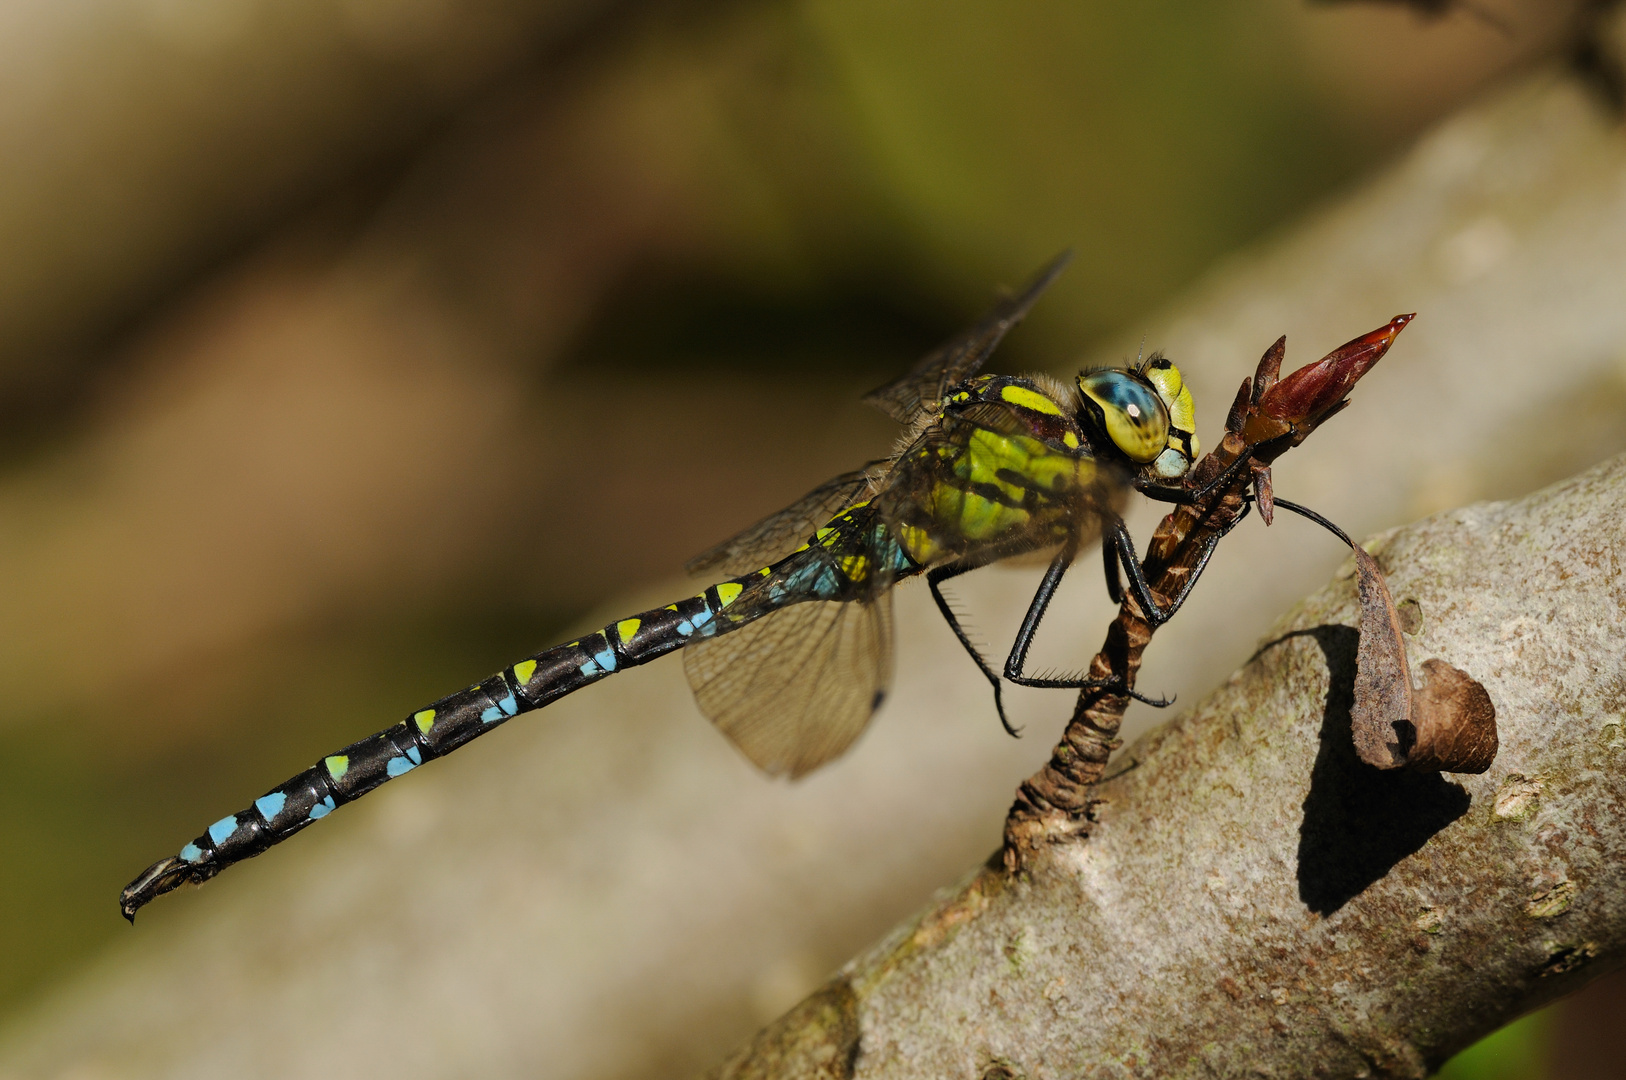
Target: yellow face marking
[
  {"x": 524, "y": 670},
  {"x": 337, "y": 765},
  {"x": 626, "y": 628},
  {"x": 1171, "y": 387},
  {"x": 728, "y": 592},
  {"x": 1030, "y": 399},
  {"x": 425, "y": 719}
]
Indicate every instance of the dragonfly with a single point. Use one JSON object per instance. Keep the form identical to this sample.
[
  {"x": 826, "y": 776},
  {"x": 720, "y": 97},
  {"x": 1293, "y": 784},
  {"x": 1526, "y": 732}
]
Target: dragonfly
[{"x": 790, "y": 654}]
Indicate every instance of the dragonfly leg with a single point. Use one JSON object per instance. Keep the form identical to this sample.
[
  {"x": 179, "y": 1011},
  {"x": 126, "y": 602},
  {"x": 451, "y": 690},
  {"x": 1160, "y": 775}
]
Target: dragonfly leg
[
  {"x": 1109, "y": 562},
  {"x": 934, "y": 578},
  {"x": 1184, "y": 496},
  {"x": 1155, "y": 614},
  {"x": 1305, "y": 511},
  {"x": 1030, "y": 627}
]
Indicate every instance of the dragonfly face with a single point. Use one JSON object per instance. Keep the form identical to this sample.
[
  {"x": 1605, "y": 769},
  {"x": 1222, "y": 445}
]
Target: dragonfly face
[{"x": 1146, "y": 413}]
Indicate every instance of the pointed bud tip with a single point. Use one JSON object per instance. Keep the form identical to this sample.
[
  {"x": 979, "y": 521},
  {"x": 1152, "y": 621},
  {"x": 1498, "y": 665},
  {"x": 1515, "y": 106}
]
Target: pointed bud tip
[{"x": 1317, "y": 388}]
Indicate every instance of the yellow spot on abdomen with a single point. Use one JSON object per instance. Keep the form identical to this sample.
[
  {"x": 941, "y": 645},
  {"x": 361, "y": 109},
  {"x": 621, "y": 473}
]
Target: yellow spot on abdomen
[
  {"x": 626, "y": 628},
  {"x": 728, "y": 592},
  {"x": 1030, "y": 399},
  {"x": 425, "y": 719},
  {"x": 856, "y": 567},
  {"x": 524, "y": 670},
  {"x": 337, "y": 765},
  {"x": 918, "y": 543}
]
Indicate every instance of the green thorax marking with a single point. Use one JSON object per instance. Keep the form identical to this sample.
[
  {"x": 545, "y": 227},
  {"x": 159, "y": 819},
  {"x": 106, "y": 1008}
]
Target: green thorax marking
[{"x": 996, "y": 480}]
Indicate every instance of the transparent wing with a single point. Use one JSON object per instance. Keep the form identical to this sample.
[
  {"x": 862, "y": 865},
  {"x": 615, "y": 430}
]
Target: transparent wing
[
  {"x": 778, "y": 534},
  {"x": 793, "y": 689},
  {"x": 959, "y": 358}
]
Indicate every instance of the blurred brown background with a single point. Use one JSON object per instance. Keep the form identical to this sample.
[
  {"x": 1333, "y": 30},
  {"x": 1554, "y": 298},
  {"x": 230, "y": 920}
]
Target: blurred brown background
[{"x": 350, "y": 349}]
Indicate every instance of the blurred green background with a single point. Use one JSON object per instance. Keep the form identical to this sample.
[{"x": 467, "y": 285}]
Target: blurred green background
[{"x": 350, "y": 350}]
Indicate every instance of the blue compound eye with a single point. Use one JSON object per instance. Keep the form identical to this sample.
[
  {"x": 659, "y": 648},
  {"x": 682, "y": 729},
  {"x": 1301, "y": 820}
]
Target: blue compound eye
[{"x": 1131, "y": 411}]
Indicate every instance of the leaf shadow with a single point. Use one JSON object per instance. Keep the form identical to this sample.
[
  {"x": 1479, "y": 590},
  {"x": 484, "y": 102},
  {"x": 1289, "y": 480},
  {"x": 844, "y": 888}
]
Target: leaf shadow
[{"x": 1359, "y": 821}]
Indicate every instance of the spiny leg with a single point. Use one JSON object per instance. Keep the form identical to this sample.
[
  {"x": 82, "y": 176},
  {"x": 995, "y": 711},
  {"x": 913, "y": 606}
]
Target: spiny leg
[
  {"x": 1030, "y": 627},
  {"x": 1185, "y": 496},
  {"x": 947, "y": 572},
  {"x": 1155, "y": 614}
]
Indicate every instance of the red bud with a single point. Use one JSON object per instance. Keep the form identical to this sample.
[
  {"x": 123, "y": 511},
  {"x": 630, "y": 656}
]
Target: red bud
[{"x": 1314, "y": 389}]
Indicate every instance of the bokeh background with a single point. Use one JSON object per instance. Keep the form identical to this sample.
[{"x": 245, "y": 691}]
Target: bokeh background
[{"x": 352, "y": 349}]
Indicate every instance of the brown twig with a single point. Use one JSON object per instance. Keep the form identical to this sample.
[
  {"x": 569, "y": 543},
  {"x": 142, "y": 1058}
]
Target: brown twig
[{"x": 1267, "y": 418}]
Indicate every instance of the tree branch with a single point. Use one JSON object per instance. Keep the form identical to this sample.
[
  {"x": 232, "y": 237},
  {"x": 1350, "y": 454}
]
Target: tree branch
[{"x": 1252, "y": 900}]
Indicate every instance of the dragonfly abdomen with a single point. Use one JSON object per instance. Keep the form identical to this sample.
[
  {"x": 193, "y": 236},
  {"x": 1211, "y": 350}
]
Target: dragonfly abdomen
[{"x": 436, "y": 731}]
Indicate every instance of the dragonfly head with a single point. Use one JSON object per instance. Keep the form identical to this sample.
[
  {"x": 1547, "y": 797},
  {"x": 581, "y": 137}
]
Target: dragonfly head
[{"x": 1146, "y": 412}]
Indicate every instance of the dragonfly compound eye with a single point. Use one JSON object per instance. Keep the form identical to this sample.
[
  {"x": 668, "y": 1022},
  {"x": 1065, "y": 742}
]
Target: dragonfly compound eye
[{"x": 1133, "y": 415}]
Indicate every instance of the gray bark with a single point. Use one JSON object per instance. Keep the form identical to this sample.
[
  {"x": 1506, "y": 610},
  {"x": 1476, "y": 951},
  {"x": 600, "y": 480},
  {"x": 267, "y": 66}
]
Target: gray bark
[{"x": 1252, "y": 900}]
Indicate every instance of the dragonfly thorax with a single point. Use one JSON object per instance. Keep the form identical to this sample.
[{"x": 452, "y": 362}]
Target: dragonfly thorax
[{"x": 1002, "y": 464}]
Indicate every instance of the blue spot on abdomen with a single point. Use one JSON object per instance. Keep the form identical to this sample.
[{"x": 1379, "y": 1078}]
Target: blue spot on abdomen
[
  {"x": 220, "y": 830},
  {"x": 192, "y": 853},
  {"x": 270, "y": 805},
  {"x": 322, "y": 809}
]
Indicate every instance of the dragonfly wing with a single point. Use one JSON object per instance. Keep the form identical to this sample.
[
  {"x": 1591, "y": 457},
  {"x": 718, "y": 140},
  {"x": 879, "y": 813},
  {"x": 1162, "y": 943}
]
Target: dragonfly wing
[
  {"x": 959, "y": 358},
  {"x": 793, "y": 689},
  {"x": 778, "y": 534}
]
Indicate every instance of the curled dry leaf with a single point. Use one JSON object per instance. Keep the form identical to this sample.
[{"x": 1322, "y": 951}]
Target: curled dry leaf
[
  {"x": 1448, "y": 725},
  {"x": 1454, "y": 721}
]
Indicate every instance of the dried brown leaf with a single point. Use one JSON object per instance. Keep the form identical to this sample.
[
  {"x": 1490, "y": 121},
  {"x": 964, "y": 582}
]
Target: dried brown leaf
[{"x": 1383, "y": 696}]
